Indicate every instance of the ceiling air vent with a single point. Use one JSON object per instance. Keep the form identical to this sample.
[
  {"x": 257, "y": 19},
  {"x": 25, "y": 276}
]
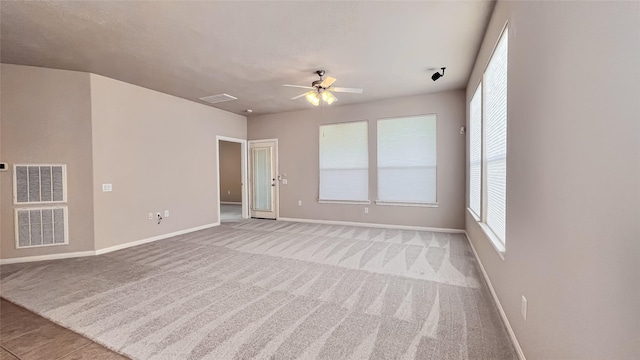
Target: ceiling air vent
[{"x": 214, "y": 99}]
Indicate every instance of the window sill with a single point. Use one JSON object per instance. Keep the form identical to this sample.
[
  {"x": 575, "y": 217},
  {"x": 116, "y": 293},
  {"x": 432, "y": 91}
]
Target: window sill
[
  {"x": 345, "y": 202},
  {"x": 493, "y": 239},
  {"x": 400, "y": 203},
  {"x": 472, "y": 213}
]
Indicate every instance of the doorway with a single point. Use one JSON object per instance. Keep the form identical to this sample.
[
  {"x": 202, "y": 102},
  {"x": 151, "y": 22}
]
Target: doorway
[
  {"x": 263, "y": 178},
  {"x": 232, "y": 179}
]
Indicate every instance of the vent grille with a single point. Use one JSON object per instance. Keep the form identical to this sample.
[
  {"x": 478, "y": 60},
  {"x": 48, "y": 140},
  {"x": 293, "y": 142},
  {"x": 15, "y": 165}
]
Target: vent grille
[
  {"x": 214, "y": 99},
  {"x": 41, "y": 227},
  {"x": 37, "y": 184}
]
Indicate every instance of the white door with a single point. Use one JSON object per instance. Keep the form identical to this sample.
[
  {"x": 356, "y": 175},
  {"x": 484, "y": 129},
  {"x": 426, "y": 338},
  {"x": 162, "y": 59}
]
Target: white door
[{"x": 263, "y": 178}]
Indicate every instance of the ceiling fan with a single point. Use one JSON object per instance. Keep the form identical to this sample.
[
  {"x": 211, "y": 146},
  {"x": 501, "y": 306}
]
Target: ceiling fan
[{"x": 323, "y": 90}]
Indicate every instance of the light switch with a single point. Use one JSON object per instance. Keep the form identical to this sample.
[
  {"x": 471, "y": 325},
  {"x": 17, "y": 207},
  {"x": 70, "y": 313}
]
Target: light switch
[
  {"x": 106, "y": 188},
  {"x": 284, "y": 181}
]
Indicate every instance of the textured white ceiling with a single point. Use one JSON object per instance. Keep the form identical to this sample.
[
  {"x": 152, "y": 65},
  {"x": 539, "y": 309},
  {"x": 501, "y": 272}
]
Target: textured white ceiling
[{"x": 249, "y": 49}]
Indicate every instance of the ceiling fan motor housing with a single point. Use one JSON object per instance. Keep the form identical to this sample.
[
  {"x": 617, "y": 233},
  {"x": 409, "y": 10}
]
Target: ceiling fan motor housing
[{"x": 317, "y": 83}]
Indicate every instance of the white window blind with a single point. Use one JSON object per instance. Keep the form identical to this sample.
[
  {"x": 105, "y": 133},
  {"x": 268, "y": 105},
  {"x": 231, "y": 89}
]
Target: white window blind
[
  {"x": 495, "y": 112},
  {"x": 407, "y": 159},
  {"x": 475, "y": 151},
  {"x": 344, "y": 162}
]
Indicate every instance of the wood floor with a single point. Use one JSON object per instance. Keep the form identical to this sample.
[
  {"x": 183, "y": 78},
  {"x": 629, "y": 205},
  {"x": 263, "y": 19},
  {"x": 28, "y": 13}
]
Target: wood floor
[{"x": 25, "y": 335}]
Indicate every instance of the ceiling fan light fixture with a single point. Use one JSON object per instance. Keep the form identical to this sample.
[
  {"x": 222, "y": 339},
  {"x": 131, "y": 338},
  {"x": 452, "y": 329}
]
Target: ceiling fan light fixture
[
  {"x": 312, "y": 97},
  {"x": 328, "y": 97}
]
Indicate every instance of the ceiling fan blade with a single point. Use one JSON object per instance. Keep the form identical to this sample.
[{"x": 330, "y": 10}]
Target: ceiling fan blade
[
  {"x": 298, "y": 86},
  {"x": 327, "y": 82},
  {"x": 299, "y": 96},
  {"x": 347, "y": 90}
]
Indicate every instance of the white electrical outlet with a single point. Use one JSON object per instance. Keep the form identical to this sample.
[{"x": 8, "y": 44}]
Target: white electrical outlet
[
  {"x": 166, "y": 213},
  {"x": 284, "y": 181},
  {"x": 107, "y": 187},
  {"x": 299, "y": 202},
  {"x": 366, "y": 210},
  {"x": 150, "y": 216},
  {"x": 228, "y": 192},
  {"x": 523, "y": 308}
]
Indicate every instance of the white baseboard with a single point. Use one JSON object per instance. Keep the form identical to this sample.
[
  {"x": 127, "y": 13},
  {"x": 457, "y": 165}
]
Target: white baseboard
[
  {"x": 386, "y": 226},
  {"x": 104, "y": 250},
  {"x": 503, "y": 315},
  {"x": 46, "y": 257},
  {"x": 231, "y": 202},
  {"x": 152, "y": 239}
]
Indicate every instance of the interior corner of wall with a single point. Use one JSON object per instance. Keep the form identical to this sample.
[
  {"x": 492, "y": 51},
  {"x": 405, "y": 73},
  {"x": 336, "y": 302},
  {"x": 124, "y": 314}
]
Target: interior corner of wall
[{"x": 93, "y": 78}]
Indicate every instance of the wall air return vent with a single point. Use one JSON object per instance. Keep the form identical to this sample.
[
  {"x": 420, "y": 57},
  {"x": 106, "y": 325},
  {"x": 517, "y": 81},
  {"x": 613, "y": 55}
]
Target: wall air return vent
[
  {"x": 37, "y": 224},
  {"x": 214, "y": 99},
  {"x": 37, "y": 227},
  {"x": 39, "y": 184}
]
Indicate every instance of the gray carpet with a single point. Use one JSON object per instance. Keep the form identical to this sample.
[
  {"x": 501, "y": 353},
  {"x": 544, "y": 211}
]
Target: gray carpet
[{"x": 274, "y": 290}]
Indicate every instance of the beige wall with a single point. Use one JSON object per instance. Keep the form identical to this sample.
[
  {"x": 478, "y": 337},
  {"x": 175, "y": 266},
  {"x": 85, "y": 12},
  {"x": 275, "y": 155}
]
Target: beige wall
[
  {"x": 230, "y": 171},
  {"x": 46, "y": 118},
  {"x": 297, "y": 134},
  {"x": 573, "y": 178},
  {"x": 159, "y": 152}
]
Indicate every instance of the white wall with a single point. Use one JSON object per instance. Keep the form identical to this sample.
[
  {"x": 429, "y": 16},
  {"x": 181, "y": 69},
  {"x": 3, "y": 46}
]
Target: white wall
[
  {"x": 298, "y": 142},
  {"x": 573, "y": 178},
  {"x": 45, "y": 118},
  {"x": 159, "y": 152},
  {"x": 230, "y": 171}
]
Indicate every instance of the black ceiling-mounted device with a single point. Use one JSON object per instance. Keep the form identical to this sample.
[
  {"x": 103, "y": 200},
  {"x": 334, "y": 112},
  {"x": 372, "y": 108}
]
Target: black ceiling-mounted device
[{"x": 437, "y": 75}]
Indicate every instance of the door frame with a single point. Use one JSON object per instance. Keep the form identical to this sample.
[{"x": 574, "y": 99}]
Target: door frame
[
  {"x": 276, "y": 176},
  {"x": 243, "y": 171}
]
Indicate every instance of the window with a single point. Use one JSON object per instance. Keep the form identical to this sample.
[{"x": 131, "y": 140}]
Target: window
[
  {"x": 344, "y": 162},
  {"x": 407, "y": 160},
  {"x": 488, "y": 146},
  {"x": 495, "y": 138},
  {"x": 475, "y": 151}
]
